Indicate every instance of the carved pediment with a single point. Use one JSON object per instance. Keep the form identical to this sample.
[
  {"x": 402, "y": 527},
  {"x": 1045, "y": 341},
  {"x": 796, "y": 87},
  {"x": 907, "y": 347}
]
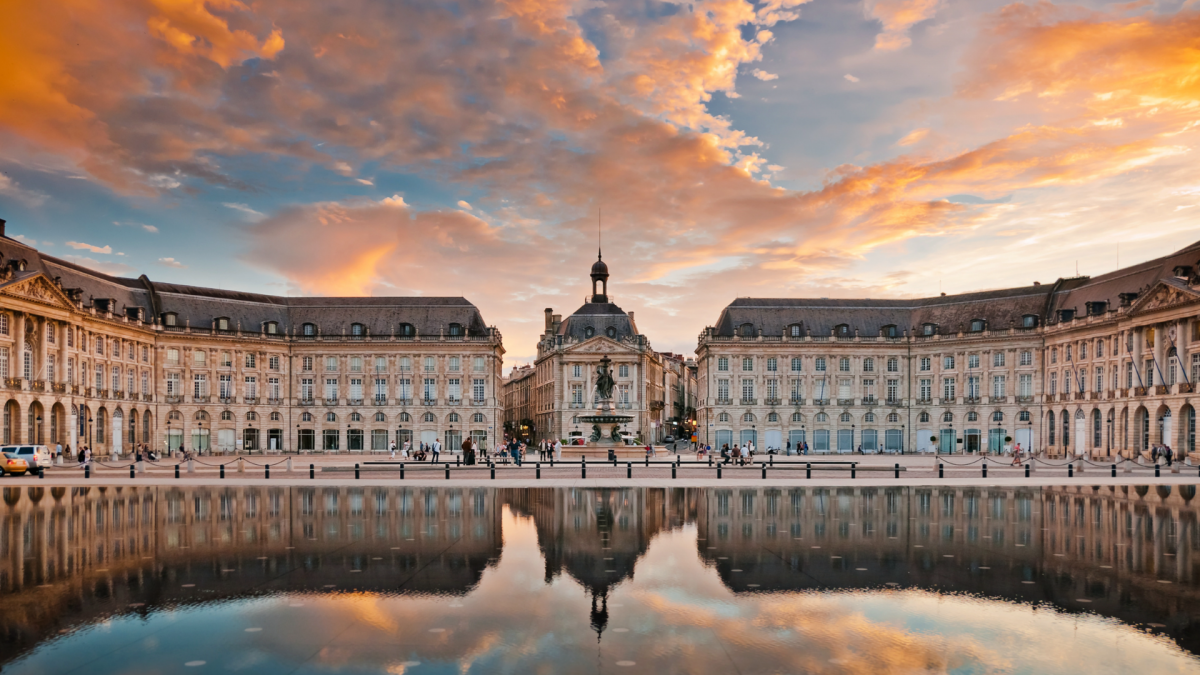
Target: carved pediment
[
  {"x": 599, "y": 345},
  {"x": 38, "y": 289},
  {"x": 1164, "y": 295}
]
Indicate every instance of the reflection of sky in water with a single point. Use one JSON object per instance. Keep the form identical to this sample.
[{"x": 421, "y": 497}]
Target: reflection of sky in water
[{"x": 675, "y": 616}]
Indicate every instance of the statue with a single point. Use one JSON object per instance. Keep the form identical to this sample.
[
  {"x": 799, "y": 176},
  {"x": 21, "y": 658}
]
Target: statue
[
  {"x": 596, "y": 433},
  {"x": 604, "y": 380}
]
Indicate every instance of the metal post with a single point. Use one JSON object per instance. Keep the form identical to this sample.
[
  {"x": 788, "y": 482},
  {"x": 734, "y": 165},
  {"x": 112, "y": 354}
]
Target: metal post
[
  {"x": 458, "y": 460},
  {"x": 718, "y": 472},
  {"x": 356, "y": 472},
  {"x": 130, "y": 470},
  {"x": 985, "y": 469},
  {"x": 87, "y": 471},
  {"x": 1027, "y": 471},
  {"x": 267, "y": 472},
  {"x": 222, "y": 471},
  {"x": 1114, "y": 470},
  {"x": 1070, "y": 471},
  {"x": 897, "y": 470},
  {"x": 493, "y": 472},
  {"x": 583, "y": 469},
  {"x": 764, "y": 468},
  {"x": 1157, "y": 471},
  {"x": 672, "y": 472},
  {"x": 177, "y": 471},
  {"x": 42, "y": 472},
  {"x": 852, "y": 468},
  {"x": 808, "y": 470},
  {"x": 401, "y": 470},
  {"x": 629, "y": 469},
  {"x": 447, "y": 470},
  {"x": 941, "y": 470},
  {"x": 539, "y": 470}
]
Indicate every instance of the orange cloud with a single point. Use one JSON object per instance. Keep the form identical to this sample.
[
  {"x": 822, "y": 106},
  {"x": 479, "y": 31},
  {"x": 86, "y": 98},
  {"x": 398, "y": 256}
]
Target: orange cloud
[{"x": 897, "y": 16}]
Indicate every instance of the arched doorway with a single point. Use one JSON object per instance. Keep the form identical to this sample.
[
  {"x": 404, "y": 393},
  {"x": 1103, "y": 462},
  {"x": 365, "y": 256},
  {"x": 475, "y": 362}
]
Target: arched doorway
[
  {"x": 1165, "y": 425},
  {"x": 12, "y": 423},
  {"x": 36, "y": 423},
  {"x": 118, "y": 429},
  {"x": 58, "y": 424},
  {"x": 1080, "y": 433},
  {"x": 146, "y": 428},
  {"x": 133, "y": 427},
  {"x": 1188, "y": 415},
  {"x": 1141, "y": 429}
]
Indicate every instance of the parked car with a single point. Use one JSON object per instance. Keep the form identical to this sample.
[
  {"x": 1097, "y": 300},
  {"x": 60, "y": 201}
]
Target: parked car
[
  {"x": 668, "y": 440},
  {"x": 34, "y": 455},
  {"x": 10, "y": 463}
]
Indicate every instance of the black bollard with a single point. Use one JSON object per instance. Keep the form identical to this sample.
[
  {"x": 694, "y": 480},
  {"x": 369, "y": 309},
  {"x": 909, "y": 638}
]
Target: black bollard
[
  {"x": 852, "y": 468},
  {"x": 177, "y": 471},
  {"x": 672, "y": 472},
  {"x": 267, "y": 472},
  {"x": 941, "y": 470},
  {"x": 1157, "y": 471},
  {"x": 493, "y": 472},
  {"x": 808, "y": 470},
  {"x": 312, "y": 471},
  {"x": 1027, "y": 471},
  {"x": 402, "y": 471},
  {"x": 897, "y": 470},
  {"x": 583, "y": 468},
  {"x": 1070, "y": 471},
  {"x": 447, "y": 470},
  {"x": 985, "y": 469},
  {"x": 647, "y": 460},
  {"x": 771, "y": 459},
  {"x": 458, "y": 460},
  {"x": 539, "y": 470},
  {"x": 222, "y": 471},
  {"x": 130, "y": 470},
  {"x": 764, "y": 467},
  {"x": 718, "y": 472},
  {"x": 1114, "y": 470},
  {"x": 355, "y": 472},
  {"x": 41, "y": 472},
  {"x": 87, "y": 471},
  {"x": 710, "y": 460}
]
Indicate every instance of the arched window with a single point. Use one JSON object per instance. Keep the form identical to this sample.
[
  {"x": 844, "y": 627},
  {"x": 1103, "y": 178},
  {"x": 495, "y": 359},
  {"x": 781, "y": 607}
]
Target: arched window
[
  {"x": 821, "y": 417},
  {"x": 972, "y": 416},
  {"x": 452, "y": 418},
  {"x": 477, "y": 418},
  {"x": 428, "y": 417},
  {"x": 226, "y": 415},
  {"x": 869, "y": 417},
  {"x": 947, "y": 417},
  {"x": 748, "y": 417},
  {"x": 306, "y": 417},
  {"x": 380, "y": 417},
  {"x": 276, "y": 417},
  {"x": 455, "y": 330},
  {"x": 355, "y": 417},
  {"x": 405, "y": 417},
  {"x": 844, "y": 417},
  {"x": 1023, "y": 416},
  {"x": 773, "y": 417},
  {"x": 794, "y": 330},
  {"x": 175, "y": 415},
  {"x": 746, "y": 330},
  {"x": 797, "y": 417},
  {"x": 251, "y": 416},
  {"x": 330, "y": 417},
  {"x": 308, "y": 329},
  {"x": 611, "y": 332},
  {"x": 893, "y": 418},
  {"x": 357, "y": 330},
  {"x": 923, "y": 417},
  {"x": 997, "y": 416},
  {"x": 723, "y": 417}
]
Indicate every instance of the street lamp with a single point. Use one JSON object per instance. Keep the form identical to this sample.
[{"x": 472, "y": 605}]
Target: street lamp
[{"x": 39, "y": 429}]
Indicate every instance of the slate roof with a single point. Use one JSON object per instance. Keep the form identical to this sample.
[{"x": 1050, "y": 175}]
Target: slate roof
[
  {"x": 199, "y": 306},
  {"x": 600, "y": 316},
  {"x": 951, "y": 313}
]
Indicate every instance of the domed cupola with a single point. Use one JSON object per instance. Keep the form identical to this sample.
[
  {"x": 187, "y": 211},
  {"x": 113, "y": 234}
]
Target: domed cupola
[{"x": 600, "y": 275}]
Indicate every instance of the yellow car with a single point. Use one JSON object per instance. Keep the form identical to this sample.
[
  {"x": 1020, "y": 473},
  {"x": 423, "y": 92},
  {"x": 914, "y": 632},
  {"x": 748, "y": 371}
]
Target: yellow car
[{"x": 10, "y": 463}]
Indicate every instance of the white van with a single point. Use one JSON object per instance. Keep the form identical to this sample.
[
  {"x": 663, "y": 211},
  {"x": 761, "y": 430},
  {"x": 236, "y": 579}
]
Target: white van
[{"x": 34, "y": 455}]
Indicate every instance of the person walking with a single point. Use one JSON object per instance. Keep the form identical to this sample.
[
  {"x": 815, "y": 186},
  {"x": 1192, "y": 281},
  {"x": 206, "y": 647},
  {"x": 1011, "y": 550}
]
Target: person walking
[
  {"x": 392, "y": 448},
  {"x": 557, "y": 449},
  {"x": 467, "y": 451},
  {"x": 436, "y": 449},
  {"x": 745, "y": 453}
]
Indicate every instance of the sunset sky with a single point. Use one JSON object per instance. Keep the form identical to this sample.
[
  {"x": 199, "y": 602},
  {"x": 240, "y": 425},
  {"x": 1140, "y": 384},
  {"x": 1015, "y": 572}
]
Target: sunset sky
[{"x": 829, "y": 148}]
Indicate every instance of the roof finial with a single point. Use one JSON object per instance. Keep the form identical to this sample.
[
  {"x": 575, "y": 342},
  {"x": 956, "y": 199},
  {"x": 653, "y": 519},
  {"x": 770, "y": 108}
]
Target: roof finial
[{"x": 600, "y": 233}]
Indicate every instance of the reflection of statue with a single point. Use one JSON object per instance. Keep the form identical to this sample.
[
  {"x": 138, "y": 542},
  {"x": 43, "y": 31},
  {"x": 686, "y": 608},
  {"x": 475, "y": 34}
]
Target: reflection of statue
[
  {"x": 596, "y": 434},
  {"x": 604, "y": 380}
]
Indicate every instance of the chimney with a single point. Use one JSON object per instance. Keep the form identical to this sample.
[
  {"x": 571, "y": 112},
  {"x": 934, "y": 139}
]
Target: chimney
[
  {"x": 2, "y": 222},
  {"x": 549, "y": 318},
  {"x": 631, "y": 316}
]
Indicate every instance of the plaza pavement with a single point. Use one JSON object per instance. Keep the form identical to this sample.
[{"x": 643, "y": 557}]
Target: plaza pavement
[{"x": 829, "y": 470}]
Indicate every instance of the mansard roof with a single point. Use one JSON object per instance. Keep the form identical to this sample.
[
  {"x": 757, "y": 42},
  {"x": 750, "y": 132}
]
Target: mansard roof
[
  {"x": 599, "y": 316},
  {"x": 198, "y": 306}
]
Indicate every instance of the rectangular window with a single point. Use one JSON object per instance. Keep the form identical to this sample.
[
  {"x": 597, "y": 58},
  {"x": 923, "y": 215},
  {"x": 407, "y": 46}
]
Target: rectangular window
[
  {"x": 429, "y": 364},
  {"x": 306, "y": 364},
  {"x": 948, "y": 392},
  {"x": 199, "y": 357},
  {"x": 820, "y": 364},
  {"x": 477, "y": 391},
  {"x": 380, "y": 389},
  {"x": 1149, "y": 372},
  {"x": 455, "y": 363},
  {"x": 1053, "y": 383},
  {"x": 772, "y": 389},
  {"x": 404, "y": 389},
  {"x": 226, "y": 359},
  {"x": 405, "y": 364},
  {"x": 577, "y": 394},
  {"x": 868, "y": 365},
  {"x": 380, "y": 364},
  {"x": 1100, "y": 348},
  {"x": 926, "y": 387},
  {"x": 430, "y": 389},
  {"x": 1099, "y": 379},
  {"x": 225, "y": 386},
  {"x": 577, "y": 370},
  {"x": 747, "y": 389},
  {"x": 973, "y": 386},
  {"x": 273, "y": 362},
  {"x": 947, "y": 363},
  {"x": 100, "y": 346},
  {"x": 70, "y": 366},
  {"x": 624, "y": 394},
  {"x": 356, "y": 389},
  {"x": 356, "y": 364},
  {"x": 1025, "y": 384},
  {"x": 723, "y": 363},
  {"x": 199, "y": 385},
  {"x": 843, "y": 365},
  {"x": 1129, "y": 374},
  {"x": 50, "y": 370},
  {"x": 844, "y": 388},
  {"x": 998, "y": 360},
  {"x": 331, "y": 363},
  {"x": 99, "y": 377},
  {"x": 747, "y": 364},
  {"x": 893, "y": 390},
  {"x": 797, "y": 364},
  {"x": 478, "y": 364},
  {"x": 274, "y": 392},
  {"x": 145, "y": 353},
  {"x": 1196, "y": 365},
  {"x": 1066, "y": 383},
  {"x": 1054, "y": 355},
  {"x": 999, "y": 386},
  {"x": 926, "y": 363},
  {"x": 723, "y": 390},
  {"x": 251, "y": 360},
  {"x": 173, "y": 357},
  {"x": 331, "y": 388},
  {"x": 893, "y": 365},
  {"x": 116, "y": 377},
  {"x": 131, "y": 381},
  {"x": 455, "y": 392},
  {"x": 251, "y": 387},
  {"x": 172, "y": 384},
  {"x": 306, "y": 389},
  {"x": 145, "y": 383},
  {"x": 1172, "y": 369},
  {"x": 71, "y": 337},
  {"x": 972, "y": 360},
  {"x": 772, "y": 365},
  {"x": 796, "y": 394},
  {"x": 1083, "y": 350},
  {"x": 869, "y": 389},
  {"x": 623, "y": 370},
  {"x": 1027, "y": 358}
]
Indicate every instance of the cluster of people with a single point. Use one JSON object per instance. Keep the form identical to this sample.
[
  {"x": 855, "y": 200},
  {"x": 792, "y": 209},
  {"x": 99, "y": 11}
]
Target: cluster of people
[
  {"x": 742, "y": 455},
  {"x": 422, "y": 451},
  {"x": 1163, "y": 452}
]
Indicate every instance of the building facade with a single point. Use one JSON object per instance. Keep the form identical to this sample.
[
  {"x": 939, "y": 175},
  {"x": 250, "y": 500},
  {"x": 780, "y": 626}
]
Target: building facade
[
  {"x": 1095, "y": 367},
  {"x": 647, "y": 384},
  {"x": 109, "y": 362}
]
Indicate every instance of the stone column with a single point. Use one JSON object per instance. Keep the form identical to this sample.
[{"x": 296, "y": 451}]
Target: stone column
[{"x": 18, "y": 361}]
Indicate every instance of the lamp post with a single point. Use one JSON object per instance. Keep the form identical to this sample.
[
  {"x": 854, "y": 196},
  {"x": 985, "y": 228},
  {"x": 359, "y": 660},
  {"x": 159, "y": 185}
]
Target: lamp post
[
  {"x": 902, "y": 439},
  {"x": 38, "y": 431}
]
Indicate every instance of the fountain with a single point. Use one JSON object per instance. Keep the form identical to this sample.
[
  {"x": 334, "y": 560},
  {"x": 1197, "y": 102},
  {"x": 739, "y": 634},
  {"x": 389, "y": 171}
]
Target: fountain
[{"x": 605, "y": 418}]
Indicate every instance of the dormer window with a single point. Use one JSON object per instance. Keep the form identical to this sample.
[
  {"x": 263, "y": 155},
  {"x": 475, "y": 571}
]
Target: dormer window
[
  {"x": 611, "y": 332},
  {"x": 356, "y": 330},
  {"x": 1029, "y": 321},
  {"x": 222, "y": 323},
  {"x": 746, "y": 330},
  {"x": 308, "y": 330},
  {"x": 271, "y": 327},
  {"x": 407, "y": 330},
  {"x": 929, "y": 329},
  {"x": 977, "y": 325},
  {"x": 794, "y": 330},
  {"x": 589, "y": 332},
  {"x": 841, "y": 330},
  {"x": 170, "y": 319},
  {"x": 22, "y": 265},
  {"x": 455, "y": 330},
  {"x": 891, "y": 331}
]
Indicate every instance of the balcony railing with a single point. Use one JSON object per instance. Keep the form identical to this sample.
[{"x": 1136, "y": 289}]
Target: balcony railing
[
  {"x": 147, "y": 398},
  {"x": 429, "y": 401},
  {"x": 748, "y": 401},
  {"x": 575, "y": 405},
  {"x": 274, "y": 401},
  {"x": 625, "y": 406},
  {"x": 925, "y": 401},
  {"x": 37, "y": 385},
  {"x": 454, "y": 401},
  {"x": 250, "y": 400},
  {"x": 894, "y": 402},
  {"x": 772, "y": 401},
  {"x": 795, "y": 400},
  {"x": 225, "y": 400},
  {"x": 820, "y": 401},
  {"x": 308, "y": 401},
  {"x": 174, "y": 400},
  {"x": 354, "y": 401},
  {"x": 331, "y": 401},
  {"x": 200, "y": 399},
  {"x": 845, "y": 401},
  {"x": 724, "y": 401},
  {"x": 404, "y": 401},
  {"x": 479, "y": 401},
  {"x": 1025, "y": 399},
  {"x": 972, "y": 398},
  {"x": 1161, "y": 390},
  {"x": 380, "y": 400},
  {"x": 869, "y": 400}
]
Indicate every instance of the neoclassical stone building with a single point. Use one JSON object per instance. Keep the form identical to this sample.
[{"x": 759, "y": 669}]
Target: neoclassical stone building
[
  {"x": 108, "y": 361},
  {"x": 1088, "y": 366},
  {"x": 650, "y": 387}
]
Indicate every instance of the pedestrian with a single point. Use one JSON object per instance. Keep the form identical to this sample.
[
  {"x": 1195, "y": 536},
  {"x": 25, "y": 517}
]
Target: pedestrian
[
  {"x": 649, "y": 451},
  {"x": 87, "y": 457},
  {"x": 745, "y": 453},
  {"x": 1167, "y": 454},
  {"x": 788, "y": 448},
  {"x": 436, "y": 449}
]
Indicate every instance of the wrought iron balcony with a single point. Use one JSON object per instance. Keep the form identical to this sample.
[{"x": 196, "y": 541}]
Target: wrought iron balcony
[
  {"x": 250, "y": 400},
  {"x": 796, "y": 401},
  {"x": 845, "y": 401},
  {"x": 429, "y": 401},
  {"x": 200, "y": 399},
  {"x": 724, "y": 401},
  {"x": 454, "y": 401},
  {"x": 308, "y": 401},
  {"x": 174, "y": 400},
  {"x": 748, "y": 401},
  {"x": 772, "y": 401},
  {"x": 354, "y": 401},
  {"x": 820, "y": 401},
  {"x": 869, "y": 400},
  {"x": 331, "y": 401},
  {"x": 479, "y": 401},
  {"x": 274, "y": 401},
  {"x": 380, "y": 400}
]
